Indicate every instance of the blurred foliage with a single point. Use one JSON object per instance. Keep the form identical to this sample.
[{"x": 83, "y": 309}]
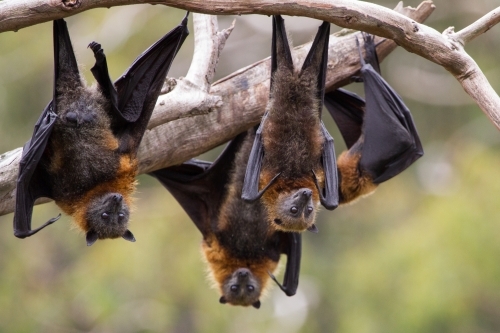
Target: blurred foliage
[{"x": 420, "y": 255}]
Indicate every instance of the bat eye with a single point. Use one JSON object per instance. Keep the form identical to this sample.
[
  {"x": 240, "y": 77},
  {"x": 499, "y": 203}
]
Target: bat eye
[
  {"x": 250, "y": 288},
  {"x": 234, "y": 287},
  {"x": 294, "y": 210},
  {"x": 121, "y": 216},
  {"x": 309, "y": 209},
  {"x": 105, "y": 216}
]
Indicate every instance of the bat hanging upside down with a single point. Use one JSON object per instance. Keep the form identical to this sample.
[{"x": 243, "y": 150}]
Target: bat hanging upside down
[
  {"x": 240, "y": 246},
  {"x": 83, "y": 150},
  {"x": 292, "y": 167}
]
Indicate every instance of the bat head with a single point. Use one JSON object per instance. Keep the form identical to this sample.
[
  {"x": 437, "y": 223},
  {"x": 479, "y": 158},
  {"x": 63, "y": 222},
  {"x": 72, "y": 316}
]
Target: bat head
[
  {"x": 295, "y": 211},
  {"x": 107, "y": 217},
  {"x": 241, "y": 288}
]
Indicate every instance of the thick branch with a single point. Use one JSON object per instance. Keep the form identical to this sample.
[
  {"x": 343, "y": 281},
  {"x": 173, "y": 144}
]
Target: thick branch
[
  {"x": 375, "y": 19},
  {"x": 189, "y": 120}
]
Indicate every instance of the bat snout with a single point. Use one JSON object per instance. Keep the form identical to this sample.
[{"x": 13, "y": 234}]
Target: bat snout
[
  {"x": 301, "y": 199},
  {"x": 242, "y": 273},
  {"x": 117, "y": 198}
]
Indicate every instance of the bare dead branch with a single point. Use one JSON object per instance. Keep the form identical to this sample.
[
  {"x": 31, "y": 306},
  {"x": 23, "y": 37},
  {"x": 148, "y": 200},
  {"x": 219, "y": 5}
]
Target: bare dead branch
[
  {"x": 479, "y": 27},
  {"x": 229, "y": 106}
]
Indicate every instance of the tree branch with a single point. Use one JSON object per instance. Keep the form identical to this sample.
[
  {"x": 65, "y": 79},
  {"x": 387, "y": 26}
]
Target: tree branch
[
  {"x": 406, "y": 32},
  {"x": 196, "y": 116},
  {"x": 479, "y": 27}
]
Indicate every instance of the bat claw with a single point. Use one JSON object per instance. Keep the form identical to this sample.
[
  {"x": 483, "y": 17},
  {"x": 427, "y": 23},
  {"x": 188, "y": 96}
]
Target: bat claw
[
  {"x": 283, "y": 288},
  {"x": 250, "y": 198},
  {"x": 95, "y": 47},
  {"x": 24, "y": 234}
]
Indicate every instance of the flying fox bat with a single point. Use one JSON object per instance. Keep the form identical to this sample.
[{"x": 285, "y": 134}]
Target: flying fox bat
[
  {"x": 239, "y": 247},
  {"x": 83, "y": 150},
  {"x": 379, "y": 132},
  {"x": 293, "y": 160},
  {"x": 292, "y": 165}
]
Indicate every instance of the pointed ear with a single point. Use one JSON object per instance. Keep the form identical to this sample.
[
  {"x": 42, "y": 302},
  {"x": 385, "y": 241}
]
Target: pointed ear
[
  {"x": 65, "y": 65},
  {"x": 91, "y": 237},
  {"x": 128, "y": 236},
  {"x": 317, "y": 59},
  {"x": 256, "y": 304},
  {"x": 280, "y": 53},
  {"x": 222, "y": 300},
  {"x": 313, "y": 229}
]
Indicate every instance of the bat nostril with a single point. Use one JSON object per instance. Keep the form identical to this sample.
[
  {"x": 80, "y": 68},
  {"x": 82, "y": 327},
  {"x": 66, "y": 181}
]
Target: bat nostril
[{"x": 117, "y": 197}]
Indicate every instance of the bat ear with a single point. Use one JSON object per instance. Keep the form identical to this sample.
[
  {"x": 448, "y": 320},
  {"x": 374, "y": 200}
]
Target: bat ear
[
  {"x": 256, "y": 304},
  {"x": 128, "y": 236},
  {"x": 222, "y": 300},
  {"x": 313, "y": 229},
  {"x": 91, "y": 237}
]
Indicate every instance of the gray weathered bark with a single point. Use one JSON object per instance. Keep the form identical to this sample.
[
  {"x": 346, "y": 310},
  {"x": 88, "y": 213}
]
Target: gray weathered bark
[{"x": 197, "y": 115}]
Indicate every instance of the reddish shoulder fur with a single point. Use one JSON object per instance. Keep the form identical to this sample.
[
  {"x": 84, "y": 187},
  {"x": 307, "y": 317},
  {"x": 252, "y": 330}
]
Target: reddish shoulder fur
[
  {"x": 354, "y": 183},
  {"x": 124, "y": 183},
  {"x": 221, "y": 265}
]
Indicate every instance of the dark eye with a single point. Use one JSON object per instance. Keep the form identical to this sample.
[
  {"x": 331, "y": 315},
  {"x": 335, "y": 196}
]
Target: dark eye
[
  {"x": 309, "y": 209},
  {"x": 121, "y": 216},
  {"x": 234, "y": 287},
  {"x": 250, "y": 288},
  {"x": 104, "y": 216},
  {"x": 294, "y": 210}
]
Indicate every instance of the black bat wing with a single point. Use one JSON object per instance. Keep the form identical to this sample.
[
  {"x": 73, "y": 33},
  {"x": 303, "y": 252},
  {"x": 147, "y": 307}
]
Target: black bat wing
[
  {"x": 33, "y": 181},
  {"x": 382, "y": 125},
  {"x": 199, "y": 186},
  {"x": 291, "y": 245},
  {"x": 134, "y": 94},
  {"x": 391, "y": 141},
  {"x": 347, "y": 110}
]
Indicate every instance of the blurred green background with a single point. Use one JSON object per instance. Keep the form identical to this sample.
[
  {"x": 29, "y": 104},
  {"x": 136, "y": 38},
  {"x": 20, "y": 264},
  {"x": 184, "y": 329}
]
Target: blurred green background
[{"x": 420, "y": 255}]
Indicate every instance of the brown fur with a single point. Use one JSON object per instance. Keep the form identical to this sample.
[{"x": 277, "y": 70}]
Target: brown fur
[
  {"x": 292, "y": 135},
  {"x": 124, "y": 183},
  {"x": 221, "y": 264},
  {"x": 283, "y": 187},
  {"x": 354, "y": 183}
]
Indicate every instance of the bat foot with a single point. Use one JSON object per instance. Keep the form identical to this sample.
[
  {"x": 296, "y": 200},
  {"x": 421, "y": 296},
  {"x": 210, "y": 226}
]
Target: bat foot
[
  {"x": 95, "y": 47},
  {"x": 28, "y": 233}
]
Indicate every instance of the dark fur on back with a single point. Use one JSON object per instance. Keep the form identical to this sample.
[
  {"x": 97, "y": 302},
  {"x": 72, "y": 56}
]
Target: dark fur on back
[
  {"x": 243, "y": 229},
  {"x": 74, "y": 149},
  {"x": 292, "y": 135}
]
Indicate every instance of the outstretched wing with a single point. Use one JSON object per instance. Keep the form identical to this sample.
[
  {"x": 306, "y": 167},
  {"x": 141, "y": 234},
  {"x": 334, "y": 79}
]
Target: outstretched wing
[
  {"x": 138, "y": 88},
  {"x": 199, "y": 186}
]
